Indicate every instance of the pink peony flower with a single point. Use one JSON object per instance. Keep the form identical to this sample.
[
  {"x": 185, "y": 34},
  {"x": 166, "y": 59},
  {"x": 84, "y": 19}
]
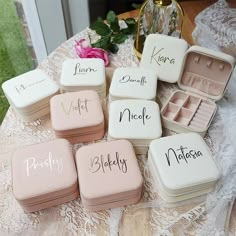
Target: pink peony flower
[{"x": 84, "y": 50}]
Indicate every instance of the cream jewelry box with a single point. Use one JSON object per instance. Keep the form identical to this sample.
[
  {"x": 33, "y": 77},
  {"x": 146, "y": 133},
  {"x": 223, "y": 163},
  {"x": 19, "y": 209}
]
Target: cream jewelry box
[
  {"x": 29, "y": 94},
  {"x": 202, "y": 74},
  {"x": 109, "y": 175},
  {"x": 135, "y": 120},
  {"x": 44, "y": 175},
  {"x": 133, "y": 83},
  {"x": 84, "y": 74},
  {"x": 77, "y": 116},
  {"x": 182, "y": 167}
]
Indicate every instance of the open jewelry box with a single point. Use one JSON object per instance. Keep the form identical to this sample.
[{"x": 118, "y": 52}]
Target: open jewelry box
[{"x": 204, "y": 76}]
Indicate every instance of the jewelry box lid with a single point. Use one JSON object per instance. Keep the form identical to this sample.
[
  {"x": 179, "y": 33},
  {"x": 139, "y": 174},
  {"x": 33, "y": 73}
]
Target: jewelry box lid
[
  {"x": 29, "y": 88},
  {"x": 164, "y": 54},
  {"x": 184, "y": 163},
  {"x": 133, "y": 82},
  {"x": 134, "y": 120},
  {"x": 206, "y": 72},
  {"x": 108, "y": 172},
  {"x": 75, "y": 110},
  {"x": 83, "y": 72},
  {"x": 38, "y": 171}
]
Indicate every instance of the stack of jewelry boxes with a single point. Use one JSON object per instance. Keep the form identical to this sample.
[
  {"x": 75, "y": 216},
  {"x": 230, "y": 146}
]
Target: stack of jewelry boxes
[
  {"x": 135, "y": 120},
  {"x": 77, "y": 116},
  {"x": 44, "y": 175},
  {"x": 84, "y": 74},
  {"x": 29, "y": 94},
  {"x": 182, "y": 167},
  {"x": 109, "y": 175}
]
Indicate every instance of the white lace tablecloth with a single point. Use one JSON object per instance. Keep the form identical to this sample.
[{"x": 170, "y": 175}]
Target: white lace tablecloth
[{"x": 150, "y": 216}]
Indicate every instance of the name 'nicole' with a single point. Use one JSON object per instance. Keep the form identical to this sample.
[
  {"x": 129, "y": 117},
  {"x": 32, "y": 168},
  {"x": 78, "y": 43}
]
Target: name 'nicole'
[
  {"x": 107, "y": 163},
  {"x": 126, "y": 113},
  {"x": 182, "y": 154}
]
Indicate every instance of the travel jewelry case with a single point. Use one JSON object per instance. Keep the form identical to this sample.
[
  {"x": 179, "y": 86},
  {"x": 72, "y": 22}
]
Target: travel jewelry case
[
  {"x": 44, "y": 175},
  {"x": 182, "y": 167},
  {"x": 84, "y": 74},
  {"x": 202, "y": 73},
  {"x": 133, "y": 83},
  {"x": 77, "y": 116},
  {"x": 135, "y": 120},
  {"x": 109, "y": 175},
  {"x": 29, "y": 94}
]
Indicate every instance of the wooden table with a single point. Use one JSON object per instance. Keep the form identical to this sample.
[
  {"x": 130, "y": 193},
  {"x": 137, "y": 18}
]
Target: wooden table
[{"x": 191, "y": 9}]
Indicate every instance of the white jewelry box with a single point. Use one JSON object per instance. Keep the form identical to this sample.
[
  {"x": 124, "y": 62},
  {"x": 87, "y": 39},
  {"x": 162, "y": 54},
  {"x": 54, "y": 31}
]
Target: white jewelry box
[
  {"x": 84, "y": 74},
  {"x": 202, "y": 74},
  {"x": 135, "y": 120},
  {"x": 29, "y": 94},
  {"x": 182, "y": 167},
  {"x": 164, "y": 54},
  {"x": 133, "y": 83}
]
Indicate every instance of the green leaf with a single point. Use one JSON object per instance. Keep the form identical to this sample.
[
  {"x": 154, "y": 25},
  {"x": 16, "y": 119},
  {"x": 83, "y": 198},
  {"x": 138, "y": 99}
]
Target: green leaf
[
  {"x": 111, "y": 17},
  {"x": 103, "y": 42},
  {"x": 131, "y": 23},
  {"x": 113, "y": 48},
  {"x": 100, "y": 27},
  {"x": 125, "y": 31},
  {"x": 119, "y": 38},
  {"x": 112, "y": 20}
]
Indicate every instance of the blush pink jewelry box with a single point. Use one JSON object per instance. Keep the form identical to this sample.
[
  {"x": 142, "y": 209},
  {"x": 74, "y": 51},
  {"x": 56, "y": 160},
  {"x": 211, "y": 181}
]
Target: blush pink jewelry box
[
  {"x": 77, "y": 116},
  {"x": 202, "y": 74},
  {"x": 109, "y": 175},
  {"x": 44, "y": 175}
]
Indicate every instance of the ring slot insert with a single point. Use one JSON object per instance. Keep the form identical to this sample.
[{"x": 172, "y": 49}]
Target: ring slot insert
[{"x": 204, "y": 77}]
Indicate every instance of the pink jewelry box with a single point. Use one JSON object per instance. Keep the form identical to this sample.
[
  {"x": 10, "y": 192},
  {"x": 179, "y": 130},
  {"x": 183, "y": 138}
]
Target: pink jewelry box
[
  {"x": 29, "y": 94},
  {"x": 109, "y": 175},
  {"x": 77, "y": 116},
  {"x": 44, "y": 175},
  {"x": 202, "y": 73}
]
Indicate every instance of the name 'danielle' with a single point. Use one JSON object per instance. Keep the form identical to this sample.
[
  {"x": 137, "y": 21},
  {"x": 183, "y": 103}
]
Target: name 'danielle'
[
  {"x": 79, "y": 70},
  {"x": 128, "y": 115},
  {"x": 50, "y": 163},
  {"x": 160, "y": 58},
  {"x": 183, "y": 154},
  {"x": 127, "y": 79},
  {"x": 107, "y": 163},
  {"x": 80, "y": 106}
]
